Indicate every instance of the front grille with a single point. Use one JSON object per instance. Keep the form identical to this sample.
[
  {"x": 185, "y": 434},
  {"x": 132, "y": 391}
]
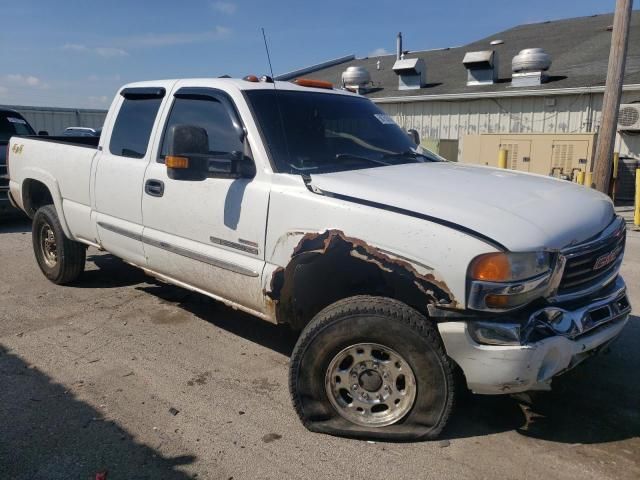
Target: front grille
[{"x": 589, "y": 265}]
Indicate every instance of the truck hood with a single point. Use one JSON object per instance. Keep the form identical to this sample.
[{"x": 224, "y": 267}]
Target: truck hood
[{"x": 521, "y": 211}]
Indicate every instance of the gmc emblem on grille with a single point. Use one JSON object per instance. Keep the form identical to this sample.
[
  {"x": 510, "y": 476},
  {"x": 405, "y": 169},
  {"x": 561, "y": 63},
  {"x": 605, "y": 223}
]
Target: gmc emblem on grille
[{"x": 606, "y": 259}]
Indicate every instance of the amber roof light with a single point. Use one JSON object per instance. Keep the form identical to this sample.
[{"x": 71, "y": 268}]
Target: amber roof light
[{"x": 308, "y": 82}]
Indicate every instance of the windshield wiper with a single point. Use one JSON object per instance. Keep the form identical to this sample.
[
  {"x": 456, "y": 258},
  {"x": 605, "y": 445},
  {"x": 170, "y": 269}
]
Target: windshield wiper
[
  {"x": 340, "y": 156},
  {"x": 407, "y": 154}
]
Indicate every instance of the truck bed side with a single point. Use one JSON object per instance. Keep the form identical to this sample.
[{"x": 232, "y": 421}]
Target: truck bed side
[{"x": 62, "y": 165}]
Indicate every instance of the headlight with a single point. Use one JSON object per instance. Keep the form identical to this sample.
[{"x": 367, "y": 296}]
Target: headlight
[
  {"x": 509, "y": 267},
  {"x": 503, "y": 281}
]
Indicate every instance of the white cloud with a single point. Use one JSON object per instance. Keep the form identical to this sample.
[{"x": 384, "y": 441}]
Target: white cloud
[
  {"x": 20, "y": 80},
  {"x": 227, "y": 8},
  {"x": 3, "y": 91},
  {"x": 107, "y": 52},
  {"x": 379, "y": 52},
  {"x": 168, "y": 39},
  {"x": 111, "y": 52}
]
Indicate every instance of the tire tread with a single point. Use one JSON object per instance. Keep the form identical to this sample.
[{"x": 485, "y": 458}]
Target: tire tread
[
  {"x": 389, "y": 307},
  {"x": 71, "y": 254}
]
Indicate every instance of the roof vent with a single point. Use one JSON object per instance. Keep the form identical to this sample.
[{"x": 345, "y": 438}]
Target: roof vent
[
  {"x": 497, "y": 41},
  {"x": 412, "y": 73},
  {"x": 529, "y": 67},
  {"x": 482, "y": 67},
  {"x": 356, "y": 78}
]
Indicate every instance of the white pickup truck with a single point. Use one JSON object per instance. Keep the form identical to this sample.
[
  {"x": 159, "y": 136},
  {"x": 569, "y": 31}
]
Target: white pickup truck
[{"x": 407, "y": 275}]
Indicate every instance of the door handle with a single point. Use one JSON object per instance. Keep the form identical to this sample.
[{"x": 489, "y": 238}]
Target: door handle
[{"x": 155, "y": 188}]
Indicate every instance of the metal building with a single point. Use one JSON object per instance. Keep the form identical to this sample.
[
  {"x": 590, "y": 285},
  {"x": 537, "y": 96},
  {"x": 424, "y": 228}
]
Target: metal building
[
  {"x": 56, "y": 120},
  {"x": 537, "y": 78}
]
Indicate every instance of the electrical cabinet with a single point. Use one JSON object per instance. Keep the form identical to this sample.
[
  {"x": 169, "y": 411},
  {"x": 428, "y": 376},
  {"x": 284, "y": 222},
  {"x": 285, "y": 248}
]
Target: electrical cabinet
[{"x": 560, "y": 155}]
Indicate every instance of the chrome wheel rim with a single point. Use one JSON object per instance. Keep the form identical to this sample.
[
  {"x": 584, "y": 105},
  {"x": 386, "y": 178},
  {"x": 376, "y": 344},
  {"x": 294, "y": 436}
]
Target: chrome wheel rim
[
  {"x": 48, "y": 245},
  {"x": 370, "y": 385}
]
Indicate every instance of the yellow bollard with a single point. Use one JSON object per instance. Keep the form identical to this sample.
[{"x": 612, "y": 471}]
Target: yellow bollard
[
  {"x": 636, "y": 216},
  {"x": 614, "y": 175},
  {"x": 580, "y": 177},
  {"x": 502, "y": 158},
  {"x": 588, "y": 179}
]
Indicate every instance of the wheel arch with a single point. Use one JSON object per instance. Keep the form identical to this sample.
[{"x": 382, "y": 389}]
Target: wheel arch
[
  {"x": 39, "y": 189},
  {"x": 329, "y": 266}
]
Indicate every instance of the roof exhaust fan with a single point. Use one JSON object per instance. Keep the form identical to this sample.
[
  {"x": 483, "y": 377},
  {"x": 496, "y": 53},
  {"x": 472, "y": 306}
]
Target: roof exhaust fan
[
  {"x": 412, "y": 73},
  {"x": 529, "y": 67},
  {"x": 356, "y": 79},
  {"x": 482, "y": 67}
]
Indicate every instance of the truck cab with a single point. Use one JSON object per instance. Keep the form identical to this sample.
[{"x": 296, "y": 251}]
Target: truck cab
[{"x": 409, "y": 277}]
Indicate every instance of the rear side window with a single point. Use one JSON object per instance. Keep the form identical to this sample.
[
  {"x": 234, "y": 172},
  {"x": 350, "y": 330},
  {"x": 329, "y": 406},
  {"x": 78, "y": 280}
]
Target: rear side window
[
  {"x": 209, "y": 114},
  {"x": 132, "y": 130}
]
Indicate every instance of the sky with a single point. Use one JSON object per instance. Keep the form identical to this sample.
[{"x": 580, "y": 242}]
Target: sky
[{"x": 78, "y": 53}]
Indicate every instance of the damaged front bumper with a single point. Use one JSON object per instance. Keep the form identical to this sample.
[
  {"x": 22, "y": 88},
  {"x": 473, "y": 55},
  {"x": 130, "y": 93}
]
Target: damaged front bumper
[{"x": 525, "y": 351}]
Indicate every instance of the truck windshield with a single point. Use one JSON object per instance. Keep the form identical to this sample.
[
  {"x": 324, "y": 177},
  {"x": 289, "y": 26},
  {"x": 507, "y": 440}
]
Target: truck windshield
[
  {"x": 13, "y": 124},
  {"x": 308, "y": 132}
]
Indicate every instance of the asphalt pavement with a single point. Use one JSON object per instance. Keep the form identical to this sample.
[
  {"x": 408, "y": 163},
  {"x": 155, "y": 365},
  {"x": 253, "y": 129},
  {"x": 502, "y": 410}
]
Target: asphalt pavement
[{"x": 121, "y": 373}]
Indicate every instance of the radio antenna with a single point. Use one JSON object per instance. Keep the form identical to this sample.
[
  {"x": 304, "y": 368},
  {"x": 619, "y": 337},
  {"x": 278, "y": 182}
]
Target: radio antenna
[
  {"x": 277, "y": 98},
  {"x": 266, "y": 47}
]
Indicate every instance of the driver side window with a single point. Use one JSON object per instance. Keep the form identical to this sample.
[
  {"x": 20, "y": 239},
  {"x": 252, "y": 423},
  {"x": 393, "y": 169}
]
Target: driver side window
[{"x": 209, "y": 114}]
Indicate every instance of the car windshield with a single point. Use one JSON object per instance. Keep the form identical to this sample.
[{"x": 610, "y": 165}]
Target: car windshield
[
  {"x": 13, "y": 124},
  {"x": 309, "y": 132}
]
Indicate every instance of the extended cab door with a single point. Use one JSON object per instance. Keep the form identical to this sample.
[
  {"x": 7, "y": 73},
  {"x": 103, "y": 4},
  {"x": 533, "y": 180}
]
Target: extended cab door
[
  {"x": 120, "y": 172},
  {"x": 208, "y": 232}
]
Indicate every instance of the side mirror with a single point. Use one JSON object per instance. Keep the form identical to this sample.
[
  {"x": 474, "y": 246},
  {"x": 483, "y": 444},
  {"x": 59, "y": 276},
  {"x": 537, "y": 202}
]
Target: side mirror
[
  {"x": 189, "y": 157},
  {"x": 414, "y": 136},
  {"x": 43, "y": 133}
]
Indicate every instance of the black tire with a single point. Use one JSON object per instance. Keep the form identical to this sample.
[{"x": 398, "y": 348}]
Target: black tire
[
  {"x": 70, "y": 256},
  {"x": 383, "y": 321}
]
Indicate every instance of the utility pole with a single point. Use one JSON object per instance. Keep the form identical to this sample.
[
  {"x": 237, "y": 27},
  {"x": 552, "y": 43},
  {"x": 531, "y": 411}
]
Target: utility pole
[{"x": 612, "y": 92}]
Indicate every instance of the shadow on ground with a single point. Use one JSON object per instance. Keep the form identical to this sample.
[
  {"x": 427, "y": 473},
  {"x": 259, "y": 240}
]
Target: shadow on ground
[
  {"x": 48, "y": 434},
  {"x": 597, "y": 402},
  {"x": 111, "y": 273}
]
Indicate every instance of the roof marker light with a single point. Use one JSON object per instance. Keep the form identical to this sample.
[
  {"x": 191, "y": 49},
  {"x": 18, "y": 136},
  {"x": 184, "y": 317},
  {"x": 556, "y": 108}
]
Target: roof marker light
[
  {"x": 251, "y": 78},
  {"x": 308, "y": 82}
]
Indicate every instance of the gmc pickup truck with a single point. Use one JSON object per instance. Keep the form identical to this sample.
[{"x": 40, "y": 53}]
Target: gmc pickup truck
[{"x": 407, "y": 276}]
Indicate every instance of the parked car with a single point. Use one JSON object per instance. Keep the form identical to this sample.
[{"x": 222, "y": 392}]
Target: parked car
[
  {"x": 407, "y": 276},
  {"x": 11, "y": 123},
  {"x": 81, "y": 132}
]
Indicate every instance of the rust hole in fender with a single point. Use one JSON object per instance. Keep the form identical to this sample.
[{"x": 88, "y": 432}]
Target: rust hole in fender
[{"x": 328, "y": 266}]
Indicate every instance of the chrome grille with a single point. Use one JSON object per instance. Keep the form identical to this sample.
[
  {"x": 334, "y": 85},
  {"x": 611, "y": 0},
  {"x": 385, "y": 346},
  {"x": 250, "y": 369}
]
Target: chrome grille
[{"x": 594, "y": 263}]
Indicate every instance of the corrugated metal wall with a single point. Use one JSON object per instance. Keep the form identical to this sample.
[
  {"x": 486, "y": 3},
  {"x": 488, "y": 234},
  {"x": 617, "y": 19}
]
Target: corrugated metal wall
[
  {"x": 55, "y": 120},
  {"x": 579, "y": 113}
]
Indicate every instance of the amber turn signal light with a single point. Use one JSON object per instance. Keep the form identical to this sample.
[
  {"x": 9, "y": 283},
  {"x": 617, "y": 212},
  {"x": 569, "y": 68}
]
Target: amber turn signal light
[
  {"x": 308, "y": 82},
  {"x": 492, "y": 267},
  {"x": 172, "y": 161}
]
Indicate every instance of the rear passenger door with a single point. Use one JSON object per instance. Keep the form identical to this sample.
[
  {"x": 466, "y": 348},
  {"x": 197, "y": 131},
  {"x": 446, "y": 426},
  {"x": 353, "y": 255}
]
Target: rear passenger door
[{"x": 120, "y": 173}]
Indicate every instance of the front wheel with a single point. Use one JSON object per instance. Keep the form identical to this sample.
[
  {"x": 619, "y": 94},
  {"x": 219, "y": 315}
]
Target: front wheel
[
  {"x": 372, "y": 367},
  {"x": 61, "y": 260}
]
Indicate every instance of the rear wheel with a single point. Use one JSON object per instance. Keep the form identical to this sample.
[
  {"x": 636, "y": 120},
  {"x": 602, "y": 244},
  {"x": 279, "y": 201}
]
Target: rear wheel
[
  {"x": 60, "y": 259},
  {"x": 372, "y": 367}
]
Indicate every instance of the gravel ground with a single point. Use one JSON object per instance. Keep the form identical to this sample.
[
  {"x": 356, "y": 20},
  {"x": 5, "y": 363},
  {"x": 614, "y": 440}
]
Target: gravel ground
[{"x": 146, "y": 380}]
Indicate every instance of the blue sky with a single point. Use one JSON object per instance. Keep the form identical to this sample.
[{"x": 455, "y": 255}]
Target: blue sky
[{"x": 77, "y": 53}]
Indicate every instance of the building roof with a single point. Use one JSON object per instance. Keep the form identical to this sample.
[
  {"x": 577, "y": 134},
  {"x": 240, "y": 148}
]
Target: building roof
[{"x": 579, "y": 48}]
